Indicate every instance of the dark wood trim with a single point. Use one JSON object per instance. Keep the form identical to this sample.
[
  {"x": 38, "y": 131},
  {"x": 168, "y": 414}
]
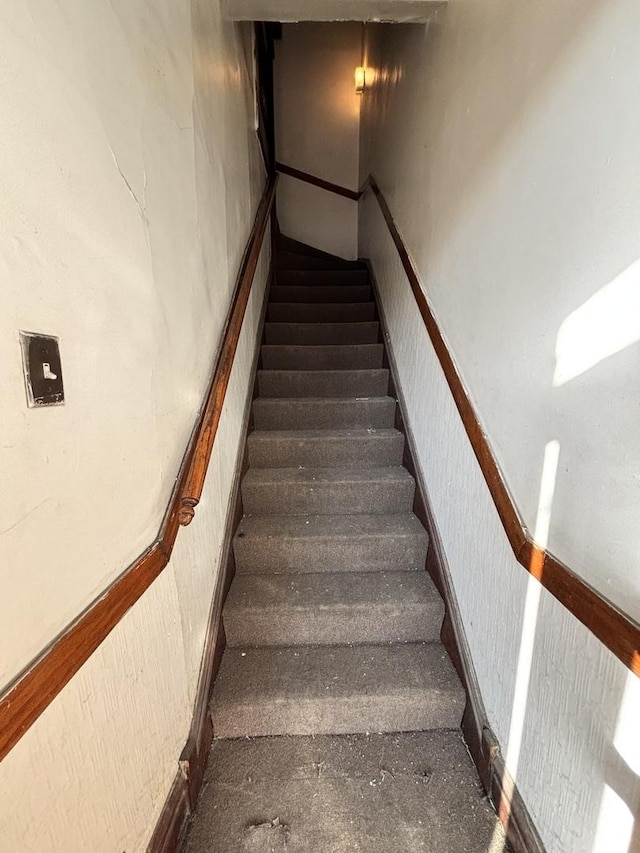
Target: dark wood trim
[
  {"x": 264, "y": 34},
  {"x": 24, "y": 699},
  {"x": 191, "y": 487},
  {"x": 522, "y": 835},
  {"x": 483, "y": 746},
  {"x": 614, "y": 628},
  {"x": 180, "y": 804},
  {"x": 171, "y": 827},
  {"x": 354, "y": 195}
]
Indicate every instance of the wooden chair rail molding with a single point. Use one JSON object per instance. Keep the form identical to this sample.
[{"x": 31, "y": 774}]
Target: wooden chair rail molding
[
  {"x": 27, "y": 697},
  {"x": 616, "y": 629},
  {"x": 354, "y": 195},
  {"x": 193, "y": 483}
]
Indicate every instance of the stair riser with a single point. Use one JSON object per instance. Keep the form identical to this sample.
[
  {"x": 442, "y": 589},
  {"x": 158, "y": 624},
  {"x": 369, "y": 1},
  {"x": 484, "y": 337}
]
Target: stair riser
[
  {"x": 288, "y": 627},
  {"x": 330, "y": 293},
  {"x": 294, "y": 261},
  {"x": 356, "y": 452},
  {"x": 300, "y": 383},
  {"x": 322, "y": 334},
  {"x": 290, "y": 414},
  {"x": 349, "y": 554},
  {"x": 322, "y": 278},
  {"x": 360, "y": 357},
  {"x": 359, "y": 714},
  {"x": 315, "y": 312},
  {"x": 327, "y": 498}
]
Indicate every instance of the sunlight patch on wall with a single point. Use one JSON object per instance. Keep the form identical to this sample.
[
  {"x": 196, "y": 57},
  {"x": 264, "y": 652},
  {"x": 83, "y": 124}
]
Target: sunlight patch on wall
[
  {"x": 615, "y": 824},
  {"x": 626, "y": 739},
  {"x": 616, "y": 820},
  {"x": 532, "y": 604},
  {"x": 603, "y": 325}
]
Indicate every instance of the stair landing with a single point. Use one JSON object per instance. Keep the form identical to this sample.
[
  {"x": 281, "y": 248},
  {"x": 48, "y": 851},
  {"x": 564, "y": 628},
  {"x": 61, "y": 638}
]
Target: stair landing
[{"x": 391, "y": 793}]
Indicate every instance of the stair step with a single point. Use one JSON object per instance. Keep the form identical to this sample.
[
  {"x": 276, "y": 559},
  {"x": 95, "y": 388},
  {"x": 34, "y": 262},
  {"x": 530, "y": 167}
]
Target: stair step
[
  {"x": 330, "y": 293},
  {"x": 314, "y": 278},
  {"x": 323, "y": 383},
  {"x": 290, "y": 413},
  {"x": 333, "y": 609},
  {"x": 321, "y": 312},
  {"x": 318, "y": 448},
  {"x": 322, "y": 333},
  {"x": 314, "y": 491},
  {"x": 356, "y": 357},
  {"x": 288, "y": 244},
  {"x": 330, "y": 543},
  {"x": 335, "y": 690},
  {"x": 397, "y": 792},
  {"x": 296, "y": 261}
]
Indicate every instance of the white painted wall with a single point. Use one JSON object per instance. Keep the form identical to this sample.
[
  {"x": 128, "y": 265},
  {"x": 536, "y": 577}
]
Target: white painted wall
[
  {"x": 130, "y": 177},
  {"x": 504, "y": 137},
  {"x": 317, "y": 131},
  {"x": 505, "y": 143}
]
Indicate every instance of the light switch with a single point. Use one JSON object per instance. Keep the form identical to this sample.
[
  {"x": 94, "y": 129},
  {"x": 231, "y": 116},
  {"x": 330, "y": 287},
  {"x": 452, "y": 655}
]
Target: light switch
[{"x": 42, "y": 369}]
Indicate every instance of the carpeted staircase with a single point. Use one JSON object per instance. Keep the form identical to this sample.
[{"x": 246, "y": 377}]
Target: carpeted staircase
[{"x": 332, "y": 623}]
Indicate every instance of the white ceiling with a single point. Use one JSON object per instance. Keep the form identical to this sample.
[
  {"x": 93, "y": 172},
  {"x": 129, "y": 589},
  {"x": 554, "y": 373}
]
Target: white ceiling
[{"x": 398, "y": 11}]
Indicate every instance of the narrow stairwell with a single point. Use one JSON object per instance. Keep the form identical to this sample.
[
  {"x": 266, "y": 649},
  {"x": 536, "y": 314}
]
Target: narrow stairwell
[{"x": 332, "y": 623}]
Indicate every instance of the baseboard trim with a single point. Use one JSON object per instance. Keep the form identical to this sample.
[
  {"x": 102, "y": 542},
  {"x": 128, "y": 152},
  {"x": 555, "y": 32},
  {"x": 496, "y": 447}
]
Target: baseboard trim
[
  {"x": 481, "y": 741},
  {"x": 504, "y": 794},
  {"x": 181, "y": 801},
  {"x": 173, "y": 819}
]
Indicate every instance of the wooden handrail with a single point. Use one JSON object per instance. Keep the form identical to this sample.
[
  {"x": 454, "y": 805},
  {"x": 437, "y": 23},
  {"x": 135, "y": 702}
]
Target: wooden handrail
[
  {"x": 191, "y": 489},
  {"x": 24, "y": 700},
  {"x": 308, "y": 178},
  {"x": 616, "y": 629}
]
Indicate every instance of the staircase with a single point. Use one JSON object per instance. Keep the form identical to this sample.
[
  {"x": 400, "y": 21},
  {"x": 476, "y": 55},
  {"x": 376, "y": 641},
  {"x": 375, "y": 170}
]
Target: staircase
[{"x": 332, "y": 623}]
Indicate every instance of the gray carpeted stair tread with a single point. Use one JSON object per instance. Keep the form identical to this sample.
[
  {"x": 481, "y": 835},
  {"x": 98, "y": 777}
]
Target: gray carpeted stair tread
[
  {"x": 320, "y": 312},
  {"x": 296, "y": 261},
  {"x": 410, "y": 792},
  {"x": 320, "y": 293},
  {"x": 338, "y": 608},
  {"x": 332, "y": 624},
  {"x": 323, "y": 383},
  {"x": 335, "y": 690},
  {"x": 325, "y": 448},
  {"x": 322, "y": 333},
  {"x": 316, "y": 543},
  {"x": 290, "y": 357},
  {"x": 323, "y": 413},
  {"x": 312, "y": 491},
  {"x": 320, "y": 278}
]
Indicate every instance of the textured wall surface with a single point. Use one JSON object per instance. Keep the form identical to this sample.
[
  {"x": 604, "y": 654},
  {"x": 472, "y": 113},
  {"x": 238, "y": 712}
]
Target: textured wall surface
[
  {"x": 506, "y": 144},
  {"x": 488, "y": 136},
  {"x": 553, "y": 693},
  {"x": 130, "y": 179},
  {"x": 317, "y": 129},
  {"x": 130, "y": 176}
]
